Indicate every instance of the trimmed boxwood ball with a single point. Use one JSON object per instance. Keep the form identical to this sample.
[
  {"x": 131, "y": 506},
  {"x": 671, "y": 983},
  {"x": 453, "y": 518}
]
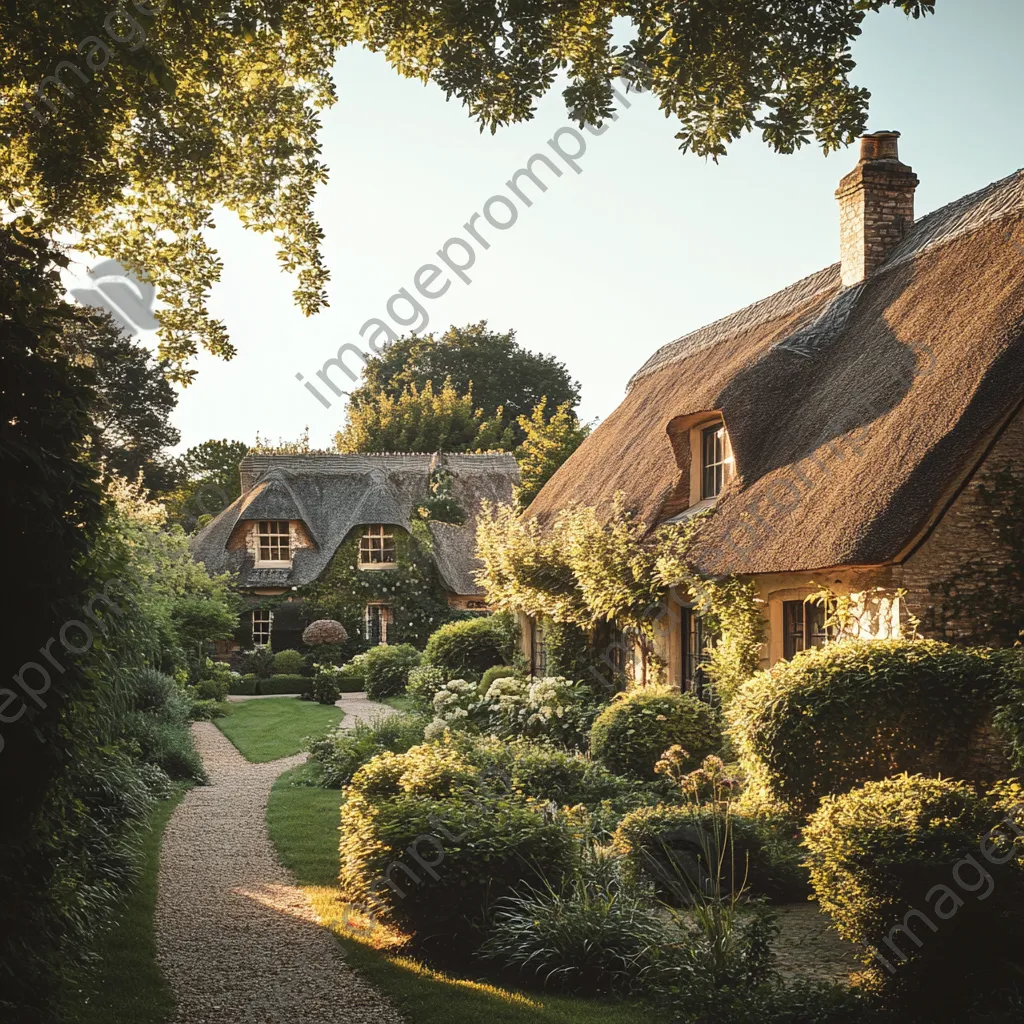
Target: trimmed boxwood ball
[
  {"x": 428, "y": 846},
  {"x": 631, "y": 733},
  {"x": 470, "y": 646},
  {"x": 920, "y": 853},
  {"x": 663, "y": 845},
  {"x": 288, "y": 663},
  {"x": 324, "y": 631},
  {"x": 837, "y": 716},
  {"x": 386, "y": 669}
]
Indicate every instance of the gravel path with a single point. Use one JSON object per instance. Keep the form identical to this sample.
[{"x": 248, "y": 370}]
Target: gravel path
[
  {"x": 359, "y": 708},
  {"x": 237, "y": 938}
]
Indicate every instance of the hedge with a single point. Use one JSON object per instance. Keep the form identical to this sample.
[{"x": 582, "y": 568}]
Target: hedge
[
  {"x": 844, "y": 714},
  {"x": 632, "y": 732},
  {"x": 922, "y": 872},
  {"x": 404, "y": 814},
  {"x": 386, "y": 669},
  {"x": 663, "y": 846},
  {"x": 471, "y": 646},
  {"x": 250, "y": 685}
]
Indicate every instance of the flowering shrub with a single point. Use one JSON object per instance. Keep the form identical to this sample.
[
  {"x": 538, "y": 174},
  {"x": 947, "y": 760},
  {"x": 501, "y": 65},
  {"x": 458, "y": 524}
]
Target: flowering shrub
[
  {"x": 552, "y": 708},
  {"x": 424, "y": 683}
]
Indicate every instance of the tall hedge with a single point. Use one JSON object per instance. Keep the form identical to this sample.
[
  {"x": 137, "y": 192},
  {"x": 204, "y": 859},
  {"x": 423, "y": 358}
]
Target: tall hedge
[
  {"x": 922, "y": 874},
  {"x": 844, "y": 714}
]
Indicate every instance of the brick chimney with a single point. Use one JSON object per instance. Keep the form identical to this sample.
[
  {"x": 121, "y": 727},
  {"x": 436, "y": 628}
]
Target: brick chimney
[{"x": 876, "y": 206}]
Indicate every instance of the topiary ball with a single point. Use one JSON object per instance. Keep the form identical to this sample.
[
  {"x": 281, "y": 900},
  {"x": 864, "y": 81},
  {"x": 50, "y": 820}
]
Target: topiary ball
[{"x": 324, "y": 631}]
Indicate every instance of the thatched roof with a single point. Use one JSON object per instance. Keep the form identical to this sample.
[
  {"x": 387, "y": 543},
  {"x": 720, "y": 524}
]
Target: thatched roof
[
  {"x": 332, "y": 494},
  {"x": 852, "y": 414}
]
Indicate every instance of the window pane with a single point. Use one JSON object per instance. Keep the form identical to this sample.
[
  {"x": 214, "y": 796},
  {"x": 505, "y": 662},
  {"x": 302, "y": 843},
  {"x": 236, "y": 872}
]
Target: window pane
[
  {"x": 712, "y": 461},
  {"x": 793, "y": 628},
  {"x": 814, "y": 618}
]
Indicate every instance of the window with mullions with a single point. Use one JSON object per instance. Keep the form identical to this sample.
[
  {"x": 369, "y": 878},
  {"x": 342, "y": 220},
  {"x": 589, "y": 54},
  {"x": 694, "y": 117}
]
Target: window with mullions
[
  {"x": 377, "y": 619},
  {"x": 697, "y": 644},
  {"x": 274, "y": 542},
  {"x": 262, "y": 624},
  {"x": 377, "y": 547},
  {"x": 538, "y": 650},
  {"x": 712, "y": 461},
  {"x": 803, "y": 626}
]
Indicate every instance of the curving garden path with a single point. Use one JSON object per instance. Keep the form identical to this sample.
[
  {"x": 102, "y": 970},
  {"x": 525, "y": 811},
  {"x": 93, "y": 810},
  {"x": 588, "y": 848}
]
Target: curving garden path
[{"x": 237, "y": 938}]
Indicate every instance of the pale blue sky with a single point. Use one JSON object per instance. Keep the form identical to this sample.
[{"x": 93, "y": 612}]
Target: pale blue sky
[{"x": 644, "y": 245}]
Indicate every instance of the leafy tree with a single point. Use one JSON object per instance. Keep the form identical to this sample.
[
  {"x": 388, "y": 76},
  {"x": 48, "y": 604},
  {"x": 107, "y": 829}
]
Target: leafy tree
[
  {"x": 548, "y": 443},
  {"x": 133, "y": 404},
  {"x": 208, "y": 481},
  {"x": 160, "y": 115},
  {"x": 422, "y": 420},
  {"x": 493, "y": 366}
]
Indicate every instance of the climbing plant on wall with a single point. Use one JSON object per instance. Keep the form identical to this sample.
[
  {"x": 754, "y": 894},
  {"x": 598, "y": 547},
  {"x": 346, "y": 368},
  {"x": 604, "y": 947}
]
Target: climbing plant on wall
[{"x": 413, "y": 590}]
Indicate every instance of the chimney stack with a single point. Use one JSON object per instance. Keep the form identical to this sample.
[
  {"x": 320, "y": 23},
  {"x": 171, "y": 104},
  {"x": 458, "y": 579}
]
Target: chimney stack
[{"x": 876, "y": 206}]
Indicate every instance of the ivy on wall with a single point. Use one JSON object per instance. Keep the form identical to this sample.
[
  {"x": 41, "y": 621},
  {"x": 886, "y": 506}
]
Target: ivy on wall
[
  {"x": 588, "y": 570},
  {"x": 413, "y": 590}
]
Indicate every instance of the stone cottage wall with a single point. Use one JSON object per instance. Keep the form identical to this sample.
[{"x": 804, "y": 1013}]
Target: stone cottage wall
[{"x": 965, "y": 534}]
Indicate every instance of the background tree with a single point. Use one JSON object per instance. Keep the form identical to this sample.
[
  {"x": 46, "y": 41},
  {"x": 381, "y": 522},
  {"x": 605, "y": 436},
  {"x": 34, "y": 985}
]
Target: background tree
[
  {"x": 548, "y": 443},
  {"x": 132, "y": 405},
  {"x": 208, "y": 481},
  {"x": 499, "y": 372},
  {"x": 422, "y": 420},
  {"x": 158, "y": 117}
]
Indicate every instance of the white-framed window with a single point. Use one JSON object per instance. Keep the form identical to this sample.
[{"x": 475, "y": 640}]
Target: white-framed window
[
  {"x": 273, "y": 542},
  {"x": 377, "y": 618},
  {"x": 262, "y": 624},
  {"x": 377, "y": 547},
  {"x": 713, "y": 461}
]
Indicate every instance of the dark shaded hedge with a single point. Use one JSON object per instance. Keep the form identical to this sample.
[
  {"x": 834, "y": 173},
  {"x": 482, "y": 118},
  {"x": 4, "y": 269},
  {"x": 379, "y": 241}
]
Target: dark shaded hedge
[
  {"x": 844, "y": 714},
  {"x": 924, "y": 872}
]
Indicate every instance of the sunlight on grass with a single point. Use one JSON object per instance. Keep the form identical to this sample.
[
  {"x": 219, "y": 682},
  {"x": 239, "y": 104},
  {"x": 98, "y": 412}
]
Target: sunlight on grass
[
  {"x": 265, "y": 730},
  {"x": 303, "y": 824}
]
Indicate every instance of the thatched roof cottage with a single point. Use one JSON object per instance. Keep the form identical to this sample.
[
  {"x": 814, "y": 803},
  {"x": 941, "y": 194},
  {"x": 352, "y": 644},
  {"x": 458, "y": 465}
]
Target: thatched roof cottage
[
  {"x": 846, "y": 430},
  {"x": 347, "y": 522}
]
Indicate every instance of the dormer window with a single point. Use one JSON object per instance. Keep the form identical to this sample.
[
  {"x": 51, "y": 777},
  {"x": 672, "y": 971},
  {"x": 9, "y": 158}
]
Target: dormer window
[
  {"x": 712, "y": 461},
  {"x": 273, "y": 543},
  {"x": 377, "y": 548}
]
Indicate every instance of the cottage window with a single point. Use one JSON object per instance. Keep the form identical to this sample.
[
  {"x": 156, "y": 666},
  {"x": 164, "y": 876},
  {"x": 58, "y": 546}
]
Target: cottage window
[
  {"x": 697, "y": 645},
  {"x": 803, "y": 626},
  {"x": 262, "y": 624},
  {"x": 377, "y": 548},
  {"x": 538, "y": 650},
  {"x": 377, "y": 618},
  {"x": 274, "y": 546},
  {"x": 712, "y": 461}
]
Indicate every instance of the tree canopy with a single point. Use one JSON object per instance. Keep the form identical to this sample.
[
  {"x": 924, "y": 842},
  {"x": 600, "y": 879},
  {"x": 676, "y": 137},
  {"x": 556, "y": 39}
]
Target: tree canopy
[
  {"x": 133, "y": 401},
  {"x": 127, "y": 127},
  {"x": 207, "y": 481},
  {"x": 506, "y": 380},
  {"x": 549, "y": 441}
]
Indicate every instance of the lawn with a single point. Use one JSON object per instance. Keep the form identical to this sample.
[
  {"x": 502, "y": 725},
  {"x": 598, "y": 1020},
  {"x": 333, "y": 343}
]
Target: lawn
[
  {"x": 265, "y": 730},
  {"x": 126, "y": 983},
  {"x": 400, "y": 703},
  {"x": 303, "y": 823}
]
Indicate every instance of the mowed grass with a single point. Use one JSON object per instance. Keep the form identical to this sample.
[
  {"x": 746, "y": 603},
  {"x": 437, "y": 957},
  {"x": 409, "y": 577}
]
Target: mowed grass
[
  {"x": 401, "y": 703},
  {"x": 265, "y": 730},
  {"x": 125, "y": 983},
  {"x": 303, "y": 823}
]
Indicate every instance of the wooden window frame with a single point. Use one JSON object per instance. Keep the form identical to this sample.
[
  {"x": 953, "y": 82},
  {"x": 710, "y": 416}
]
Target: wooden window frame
[
  {"x": 713, "y": 460},
  {"x": 261, "y": 617},
  {"x": 377, "y": 548},
  {"x": 803, "y": 627},
  {"x": 538, "y": 650},
  {"x": 385, "y": 618},
  {"x": 696, "y": 642},
  {"x": 273, "y": 544}
]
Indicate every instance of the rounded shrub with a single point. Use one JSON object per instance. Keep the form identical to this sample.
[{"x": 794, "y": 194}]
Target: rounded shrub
[
  {"x": 497, "y": 672},
  {"x": 288, "y": 663},
  {"x": 837, "y": 716},
  {"x": 631, "y": 733},
  {"x": 386, "y": 669},
  {"x": 923, "y": 875},
  {"x": 426, "y": 845},
  {"x": 424, "y": 683},
  {"x": 664, "y": 846},
  {"x": 470, "y": 646}
]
